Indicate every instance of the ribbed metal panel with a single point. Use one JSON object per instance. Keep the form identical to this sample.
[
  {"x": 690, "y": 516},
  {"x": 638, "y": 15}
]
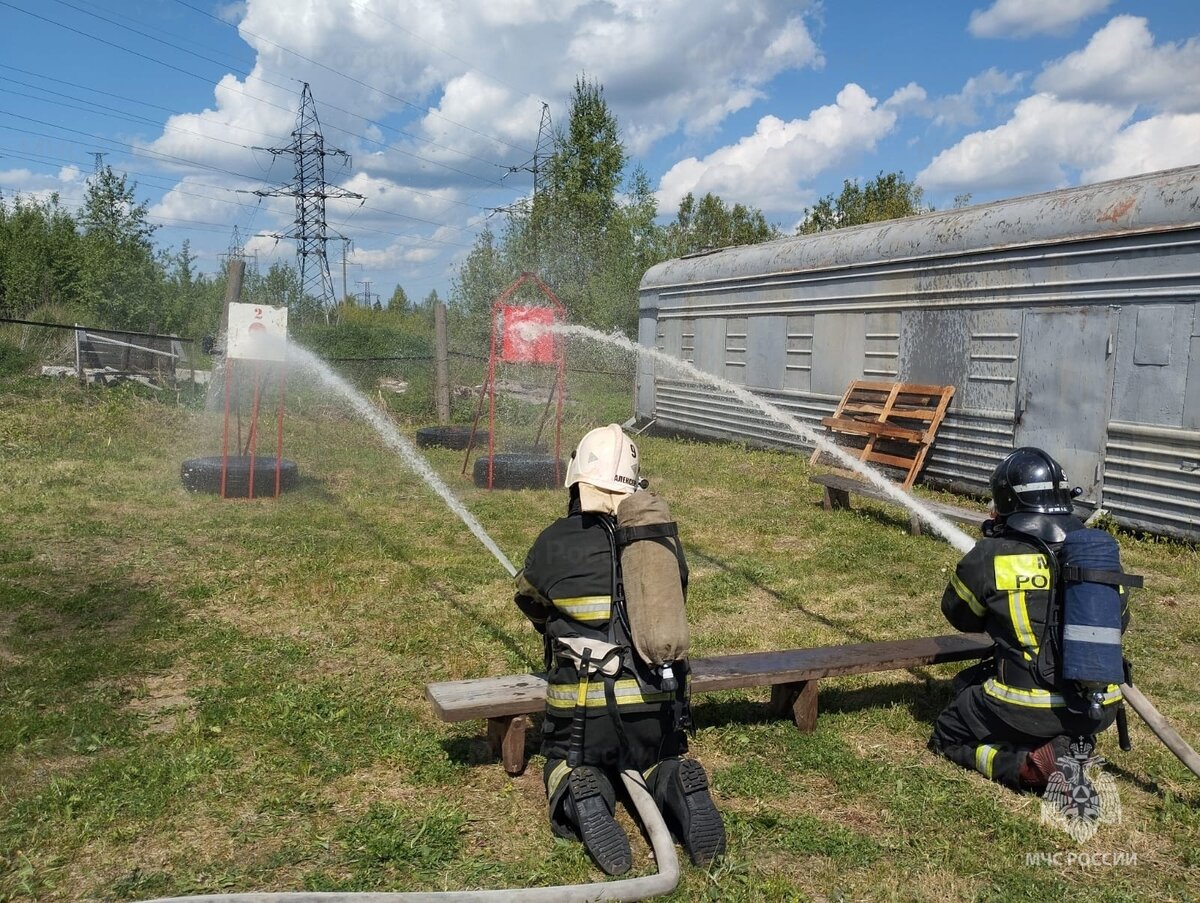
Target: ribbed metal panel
[
  {"x": 1152, "y": 478},
  {"x": 968, "y": 447},
  {"x": 706, "y": 411}
]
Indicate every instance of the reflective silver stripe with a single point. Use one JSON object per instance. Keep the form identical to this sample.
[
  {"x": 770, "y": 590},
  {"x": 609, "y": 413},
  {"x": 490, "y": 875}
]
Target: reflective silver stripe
[
  {"x": 1033, "y": 487},
  {"x": 1081, "y": 633}
]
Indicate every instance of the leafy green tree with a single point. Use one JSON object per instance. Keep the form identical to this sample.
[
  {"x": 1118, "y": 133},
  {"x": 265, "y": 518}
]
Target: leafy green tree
[
  {"x": 887, "y": 196},
  {"x": 39, "y": 255},
  {"x": 121, "y": 280},
  {"x": 399, "y": 302},
  {"x": 711, "y": 224}
]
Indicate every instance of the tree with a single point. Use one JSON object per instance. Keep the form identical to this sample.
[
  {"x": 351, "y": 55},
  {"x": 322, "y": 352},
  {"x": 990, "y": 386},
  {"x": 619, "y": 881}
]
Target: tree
[
  {"x": 39, "y": 255},
  {"x": 887, "y": 196},
  {"x": 398, "y": 303},
  {"x": 121, "y": 280},
  {"x": 710, "y": 224}
]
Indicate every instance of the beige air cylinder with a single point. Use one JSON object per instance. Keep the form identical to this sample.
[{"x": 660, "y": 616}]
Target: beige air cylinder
[{"x": 653, "y": 589}]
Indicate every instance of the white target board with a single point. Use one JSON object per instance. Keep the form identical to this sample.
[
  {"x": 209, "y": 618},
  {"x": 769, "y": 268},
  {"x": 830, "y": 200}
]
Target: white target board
[{"x": 257, "y": 332}]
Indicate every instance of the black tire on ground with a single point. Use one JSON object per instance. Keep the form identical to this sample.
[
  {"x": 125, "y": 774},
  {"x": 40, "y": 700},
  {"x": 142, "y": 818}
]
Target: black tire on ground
[
  {"x": 519, "y": 471},
  {"x": 204, "y": 475},
  {"x": 455, "y": 437}
]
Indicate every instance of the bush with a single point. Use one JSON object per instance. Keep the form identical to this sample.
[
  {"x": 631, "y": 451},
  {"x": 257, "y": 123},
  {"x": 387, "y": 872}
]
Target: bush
[{"x": 16, "y": 361}]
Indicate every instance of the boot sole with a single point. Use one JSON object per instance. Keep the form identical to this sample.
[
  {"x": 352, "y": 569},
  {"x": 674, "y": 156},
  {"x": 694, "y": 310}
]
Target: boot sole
[
  {"x": 704, "y": 837},
  {"x": 604, "y": 839}
]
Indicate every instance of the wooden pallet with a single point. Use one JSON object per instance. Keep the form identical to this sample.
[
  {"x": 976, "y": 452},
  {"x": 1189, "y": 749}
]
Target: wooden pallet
[{"x": 892, "y": 424}]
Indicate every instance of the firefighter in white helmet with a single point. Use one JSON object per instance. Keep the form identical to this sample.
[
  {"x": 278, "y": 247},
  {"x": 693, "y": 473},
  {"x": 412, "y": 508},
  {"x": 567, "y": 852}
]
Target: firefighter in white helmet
[{"x": 606, "y": 710}]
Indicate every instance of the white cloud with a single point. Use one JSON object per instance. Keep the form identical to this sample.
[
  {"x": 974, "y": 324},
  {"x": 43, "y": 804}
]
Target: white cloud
[
  {"x": 980, "y": 92},
  {"x": 1023, "y": 18},
  {"x": 768, "y": 168},
  {"x": 1162, "y": 142},
  {"x": 1096, "y": 115},
  {"x": 1121, "y": 64},
  {"x": 1032, "y": 150}
]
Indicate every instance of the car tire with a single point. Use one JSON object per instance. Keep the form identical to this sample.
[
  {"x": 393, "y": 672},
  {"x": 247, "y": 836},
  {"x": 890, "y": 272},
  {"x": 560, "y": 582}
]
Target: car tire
[
  {"x": 453, "y": 437},
  {"x": 204, "y": 475},
  {"x": 519, "y": 471}
]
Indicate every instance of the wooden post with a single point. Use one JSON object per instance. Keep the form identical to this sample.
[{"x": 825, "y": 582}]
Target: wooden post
[
  {"x": 506, "y": 737},
  {"x": 441, "y": 390},
  {"x": 836, "y": 499},
  {"x": 798, "y": 700},
  {"x": 79, "y": 357}
]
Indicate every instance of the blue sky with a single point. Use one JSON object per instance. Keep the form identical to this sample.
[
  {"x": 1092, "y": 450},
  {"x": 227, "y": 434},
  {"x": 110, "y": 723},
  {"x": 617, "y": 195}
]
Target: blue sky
[{"x": 765, "y": 102}]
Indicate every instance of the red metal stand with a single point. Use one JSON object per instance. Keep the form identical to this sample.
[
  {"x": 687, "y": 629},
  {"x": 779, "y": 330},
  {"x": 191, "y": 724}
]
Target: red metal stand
[
  {"x": 517, "y": 340},
  {"x": 233, "y": 411}
]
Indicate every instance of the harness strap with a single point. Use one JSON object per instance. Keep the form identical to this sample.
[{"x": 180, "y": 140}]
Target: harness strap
[
  {"x": 1077, "y": 574},
  {"x": 627, "y": 535}
]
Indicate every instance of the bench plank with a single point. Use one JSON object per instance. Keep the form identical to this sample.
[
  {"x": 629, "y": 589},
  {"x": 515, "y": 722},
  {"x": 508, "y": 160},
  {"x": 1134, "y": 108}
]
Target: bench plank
[
  {"x": 524, "y": 694},
  {"x": 840, "y": 486}
]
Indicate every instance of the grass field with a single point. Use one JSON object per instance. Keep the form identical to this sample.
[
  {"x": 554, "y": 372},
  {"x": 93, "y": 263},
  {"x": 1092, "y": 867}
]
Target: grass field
[{"x": 201, "y": 696}]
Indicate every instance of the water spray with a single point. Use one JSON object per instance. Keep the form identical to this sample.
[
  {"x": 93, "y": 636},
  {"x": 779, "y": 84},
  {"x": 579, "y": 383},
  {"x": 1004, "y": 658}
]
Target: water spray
[
  {"x": 397, "y": 442},
  {"x": 956, "y": 537}
]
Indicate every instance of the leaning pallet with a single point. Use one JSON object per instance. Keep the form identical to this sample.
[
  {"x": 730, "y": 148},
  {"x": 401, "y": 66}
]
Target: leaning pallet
[{"x": 891, "y": 424}]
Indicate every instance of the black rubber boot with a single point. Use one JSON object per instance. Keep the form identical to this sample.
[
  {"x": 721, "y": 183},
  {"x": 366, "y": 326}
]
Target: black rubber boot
[
  {"x": 680, "y": 788},
  {"x": 590, "y": 803}
]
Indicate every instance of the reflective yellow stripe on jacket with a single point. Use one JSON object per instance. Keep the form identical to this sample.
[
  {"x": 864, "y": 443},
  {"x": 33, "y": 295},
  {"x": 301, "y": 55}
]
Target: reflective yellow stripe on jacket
[
  {"x": 626, "y": 692},
  {"x": 1039, "y": 699},
  {"x": 963, "y": 592},
  {"x": 985, "y": 758},
  {"x": 586, "y": 608},
  {"x": 1016, "y": 575}
]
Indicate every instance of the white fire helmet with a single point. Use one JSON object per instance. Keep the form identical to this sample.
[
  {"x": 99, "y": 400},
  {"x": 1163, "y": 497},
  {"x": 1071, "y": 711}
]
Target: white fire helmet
[{"x": 607, "y": 459}]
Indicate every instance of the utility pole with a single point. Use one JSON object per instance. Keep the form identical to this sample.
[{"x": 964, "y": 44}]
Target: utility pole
[
  {"x": 310, "y": 190},
  {"x": 346, "y": 242}
]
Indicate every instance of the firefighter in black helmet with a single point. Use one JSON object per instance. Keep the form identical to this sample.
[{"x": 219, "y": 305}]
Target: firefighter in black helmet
[
  {"x": 604, "y": 713},
  {"x": 1011, "y": 718}
]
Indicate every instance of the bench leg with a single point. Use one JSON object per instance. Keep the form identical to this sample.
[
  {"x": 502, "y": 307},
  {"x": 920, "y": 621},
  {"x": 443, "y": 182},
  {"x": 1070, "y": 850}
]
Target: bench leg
[
  {"x": 506, "y": 737},
  {"x": 798, "y": 700},
  {"x": 836, "y": 498}
]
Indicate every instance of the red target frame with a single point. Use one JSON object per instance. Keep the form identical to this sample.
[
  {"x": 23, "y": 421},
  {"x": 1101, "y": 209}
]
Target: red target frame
[{"x": 511, "y": 344}]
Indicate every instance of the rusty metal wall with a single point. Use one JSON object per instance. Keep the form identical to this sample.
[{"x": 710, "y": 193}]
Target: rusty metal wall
[
  {"x": 1152, "y": 478},
  {"x": 1051, "y": 315}
]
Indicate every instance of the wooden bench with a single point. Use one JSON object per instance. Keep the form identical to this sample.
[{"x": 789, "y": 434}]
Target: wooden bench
[
  {"x": 793, "y": 675},
  {"x": 838, "y": 490}
]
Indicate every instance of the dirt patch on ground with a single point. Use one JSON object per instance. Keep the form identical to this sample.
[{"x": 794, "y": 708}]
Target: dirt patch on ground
[{"x": 164, "y": 702}]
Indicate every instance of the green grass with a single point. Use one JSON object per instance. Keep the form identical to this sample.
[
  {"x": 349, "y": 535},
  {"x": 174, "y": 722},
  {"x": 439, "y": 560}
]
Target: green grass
[{"x": 199, "y": 696}]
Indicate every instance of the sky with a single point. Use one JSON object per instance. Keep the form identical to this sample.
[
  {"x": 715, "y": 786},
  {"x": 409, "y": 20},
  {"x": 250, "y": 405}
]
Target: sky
[{"x": 437, "y": 104}]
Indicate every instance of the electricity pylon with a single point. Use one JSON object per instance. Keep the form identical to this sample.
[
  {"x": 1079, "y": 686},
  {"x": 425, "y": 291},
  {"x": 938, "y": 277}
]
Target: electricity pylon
[{"x": 310, "y": 190}]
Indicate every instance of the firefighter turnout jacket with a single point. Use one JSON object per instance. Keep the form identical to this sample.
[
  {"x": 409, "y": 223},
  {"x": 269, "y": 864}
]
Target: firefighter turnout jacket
[
  {"x": 1003, "y": 587},
  {"x": 600, "y": 699}
]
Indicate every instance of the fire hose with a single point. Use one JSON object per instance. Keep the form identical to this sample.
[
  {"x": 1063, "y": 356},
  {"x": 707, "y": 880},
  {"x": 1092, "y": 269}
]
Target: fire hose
[{"x": 1162, "y": 729}]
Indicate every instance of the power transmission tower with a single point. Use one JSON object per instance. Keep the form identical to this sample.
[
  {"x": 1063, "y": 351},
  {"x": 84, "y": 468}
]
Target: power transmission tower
[
  {"x": 544, "y": 147},
  {"x": 310, "y": 190},
  {"x": 368, "y": 297}
]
